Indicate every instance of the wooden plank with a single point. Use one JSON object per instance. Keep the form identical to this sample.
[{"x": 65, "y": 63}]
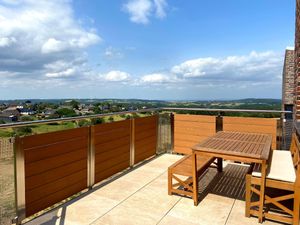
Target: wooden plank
[
  {"x": 108, "y": 137},
  {"x": 105, "y": 155},
  {"x": 195, "y": 125},
  {"x": 112, "y": 145},
  {"x": 54, "y": 198},
  {"x": 104, "y": 174},
  {"x": 37, "y": 140},
  {"x": 111, "y": 126},
  {"x": 182, "y": 150},
  {"x": 195, "y": 118},
  {"x": 107, "y": 160},
  {"x": 52, "y": 175},
  {"x": 47, "y": 164},
  {"x": 248, "y": 120},
  {"x": 55, "y": 149},
  {"x": 45, "y": 190}
]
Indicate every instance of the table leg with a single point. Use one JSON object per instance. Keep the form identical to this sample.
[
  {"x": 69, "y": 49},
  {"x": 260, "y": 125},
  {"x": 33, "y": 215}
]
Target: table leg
[
  {"x": 262, "y": 192},
  {"x": 220, "y": 164},
  {"x": 195, "y": 179}
]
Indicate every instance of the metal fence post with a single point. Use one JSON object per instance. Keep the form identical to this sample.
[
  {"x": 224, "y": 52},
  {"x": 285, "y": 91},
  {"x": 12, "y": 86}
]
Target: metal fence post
[
  {"x": 158, "y": 134},
  {"x": 19, "y": 180},
  {"x": 132, "y": 140},
  {"x": 172, "y": 131},
  {"x": 91, "y": 157},
  {"x": 219, "y": 122}
]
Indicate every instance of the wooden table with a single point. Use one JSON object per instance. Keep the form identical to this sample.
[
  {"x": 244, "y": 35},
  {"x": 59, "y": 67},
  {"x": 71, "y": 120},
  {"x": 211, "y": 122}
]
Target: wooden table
[{"x": 237, "y": 146}]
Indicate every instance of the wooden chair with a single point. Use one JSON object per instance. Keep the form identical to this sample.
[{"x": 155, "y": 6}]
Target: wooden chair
[
  {"x": 181, "y": 172},
  {"x": 283, "y": 174}
]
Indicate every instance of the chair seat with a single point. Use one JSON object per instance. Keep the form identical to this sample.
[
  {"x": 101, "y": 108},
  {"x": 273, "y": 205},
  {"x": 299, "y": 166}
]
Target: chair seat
[{"x": 281, "y": 167}]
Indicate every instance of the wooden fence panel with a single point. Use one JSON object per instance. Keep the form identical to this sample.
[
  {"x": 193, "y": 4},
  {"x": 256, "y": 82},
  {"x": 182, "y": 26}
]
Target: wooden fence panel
[
  {"x": 112, "y": 148},
  {"x": 252, "y": 125},
  {"x": 55, "y": 167},
  {"x": 190, "y": 130},
  {"x": 145, "y": 133}
]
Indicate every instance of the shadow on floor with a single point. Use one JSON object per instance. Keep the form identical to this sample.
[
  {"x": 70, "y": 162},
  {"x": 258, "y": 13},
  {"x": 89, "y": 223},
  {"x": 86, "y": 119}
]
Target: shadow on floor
[{"x": 229, "y": 183}]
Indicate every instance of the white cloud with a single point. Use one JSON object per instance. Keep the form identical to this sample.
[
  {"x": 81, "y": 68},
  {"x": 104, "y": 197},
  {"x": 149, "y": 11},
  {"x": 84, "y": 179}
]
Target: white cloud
[
  {"x": 112, "y": 53},
  {"x": 254, "y": 66},
  {"x": 36, "y": 34},
  {"x": 6, "y": 41},
  {"x": 160, "y": 8},
  {"x": 116, "y": 76},
  {"x": 66, "y": 73},
  {"x": 140, "y": 11},
  {"x": 155, "y": 78}
]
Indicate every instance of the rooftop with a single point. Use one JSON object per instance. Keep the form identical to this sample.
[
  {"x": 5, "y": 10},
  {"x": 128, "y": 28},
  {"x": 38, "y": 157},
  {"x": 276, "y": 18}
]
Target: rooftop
[{"x": 139, "y": 196}]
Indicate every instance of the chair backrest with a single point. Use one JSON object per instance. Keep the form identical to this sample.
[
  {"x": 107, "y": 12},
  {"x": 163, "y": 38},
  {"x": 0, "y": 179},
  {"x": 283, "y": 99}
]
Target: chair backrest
[{"x": 295, "y": 148}]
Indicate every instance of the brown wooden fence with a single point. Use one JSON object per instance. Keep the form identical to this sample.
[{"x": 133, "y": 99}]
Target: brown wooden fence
[
  {"x": 252, "y": 125},
  {"x": 190, "y": 130},
  {"x": 112, "y": 148},
  {"x": 145, "y": 137},
  {"x": 58, "y": 165},
  {"x": 55, "y": 167}
]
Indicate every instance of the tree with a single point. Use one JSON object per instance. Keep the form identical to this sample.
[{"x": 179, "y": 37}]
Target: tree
[
  {"x": 74, "y": 104},
  {"x": 65, "y": 112}
]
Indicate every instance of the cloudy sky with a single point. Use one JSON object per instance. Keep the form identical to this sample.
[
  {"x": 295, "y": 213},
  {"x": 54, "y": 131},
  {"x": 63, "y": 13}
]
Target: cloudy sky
[{"x": 150, "y": 49}]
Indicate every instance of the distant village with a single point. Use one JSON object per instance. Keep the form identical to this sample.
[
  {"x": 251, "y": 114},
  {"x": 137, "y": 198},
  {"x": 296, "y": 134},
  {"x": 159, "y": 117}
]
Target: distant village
[{"x": 29, "y": 111}]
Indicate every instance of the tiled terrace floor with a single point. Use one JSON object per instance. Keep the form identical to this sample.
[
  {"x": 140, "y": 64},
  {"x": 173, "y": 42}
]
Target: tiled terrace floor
[{"x": 140, "y": 197}]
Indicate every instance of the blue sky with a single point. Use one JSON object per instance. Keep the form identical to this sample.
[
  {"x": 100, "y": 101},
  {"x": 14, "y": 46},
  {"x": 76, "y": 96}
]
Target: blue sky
[{"x": 150, "y": 49}]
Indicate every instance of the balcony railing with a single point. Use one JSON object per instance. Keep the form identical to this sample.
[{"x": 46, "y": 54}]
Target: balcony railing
[{"x": 54, "y": 166}]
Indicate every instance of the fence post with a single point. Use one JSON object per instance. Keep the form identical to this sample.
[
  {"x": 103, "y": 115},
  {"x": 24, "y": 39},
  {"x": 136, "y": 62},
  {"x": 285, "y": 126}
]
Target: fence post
[
  {"x": 132, "y": 140},
  {"x": 19, "y": 180},
  {"x": 158, "y": 134},
  {"x": 172, "y": 131},
  {"x": 91, "y": 157},
  {"x": 219, "y": 122}
]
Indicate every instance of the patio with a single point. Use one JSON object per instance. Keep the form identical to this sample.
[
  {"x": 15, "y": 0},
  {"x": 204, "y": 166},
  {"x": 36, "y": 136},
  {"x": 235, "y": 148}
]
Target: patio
[{"x": 140, "y": 197}]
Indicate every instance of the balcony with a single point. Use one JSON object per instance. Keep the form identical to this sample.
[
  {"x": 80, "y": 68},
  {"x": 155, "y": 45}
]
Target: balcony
[{"x": 116, "y": 173}]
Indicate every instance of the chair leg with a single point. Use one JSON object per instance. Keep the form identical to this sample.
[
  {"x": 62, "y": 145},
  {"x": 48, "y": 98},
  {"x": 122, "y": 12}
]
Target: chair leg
[
  {"x": 169, "y": 182},
  {"x": 296, "y": 207},
  {"x": 248, "y": 195}
]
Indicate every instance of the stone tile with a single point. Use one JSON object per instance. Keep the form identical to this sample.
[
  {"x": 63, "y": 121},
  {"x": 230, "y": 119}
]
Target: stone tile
[
  {"x": 212, "y": 209},
  {"x": 237, "y": 216},
  {"x": 170, "y": 220}
]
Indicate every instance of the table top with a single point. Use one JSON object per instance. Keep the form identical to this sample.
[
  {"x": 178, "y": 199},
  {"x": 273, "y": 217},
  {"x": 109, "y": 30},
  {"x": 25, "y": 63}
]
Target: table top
[{"x": 247, "y": 145}]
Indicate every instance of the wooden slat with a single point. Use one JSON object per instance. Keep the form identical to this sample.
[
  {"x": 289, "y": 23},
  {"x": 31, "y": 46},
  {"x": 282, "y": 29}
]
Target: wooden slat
[
  {"x": 51, "y": 150},
  {"x": 190, "y": 130},
  {"x": 103, "y": 164},
  {"x": 112, "y": 145},
  {"x": 51, "y": 163},
  {"x": 54, "y": 198},
  {"x": 252, "y": 125},
  {"x": 103, "y": 174},
  {"x": 195, "y": 118},
  {"x": 52, "y": 175},
  {"x": 145, "y": 145},
  {"x": 62, "y": 183},
  {"x": 38, "y": 140}
]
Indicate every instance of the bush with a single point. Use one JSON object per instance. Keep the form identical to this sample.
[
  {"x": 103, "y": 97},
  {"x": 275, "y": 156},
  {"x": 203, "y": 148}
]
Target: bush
[
  {"x": 22, "y": 131},
  {"x": 95, "y": 121},
  {"x": 83, "y": 123}
]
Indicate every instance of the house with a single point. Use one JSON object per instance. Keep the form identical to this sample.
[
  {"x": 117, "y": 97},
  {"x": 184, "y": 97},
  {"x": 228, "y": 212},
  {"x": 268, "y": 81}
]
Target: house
[
  {"x": 11, "y": 111},
  {"x": 26, "y": 112},
  {"x": 8, "y": 119}
]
